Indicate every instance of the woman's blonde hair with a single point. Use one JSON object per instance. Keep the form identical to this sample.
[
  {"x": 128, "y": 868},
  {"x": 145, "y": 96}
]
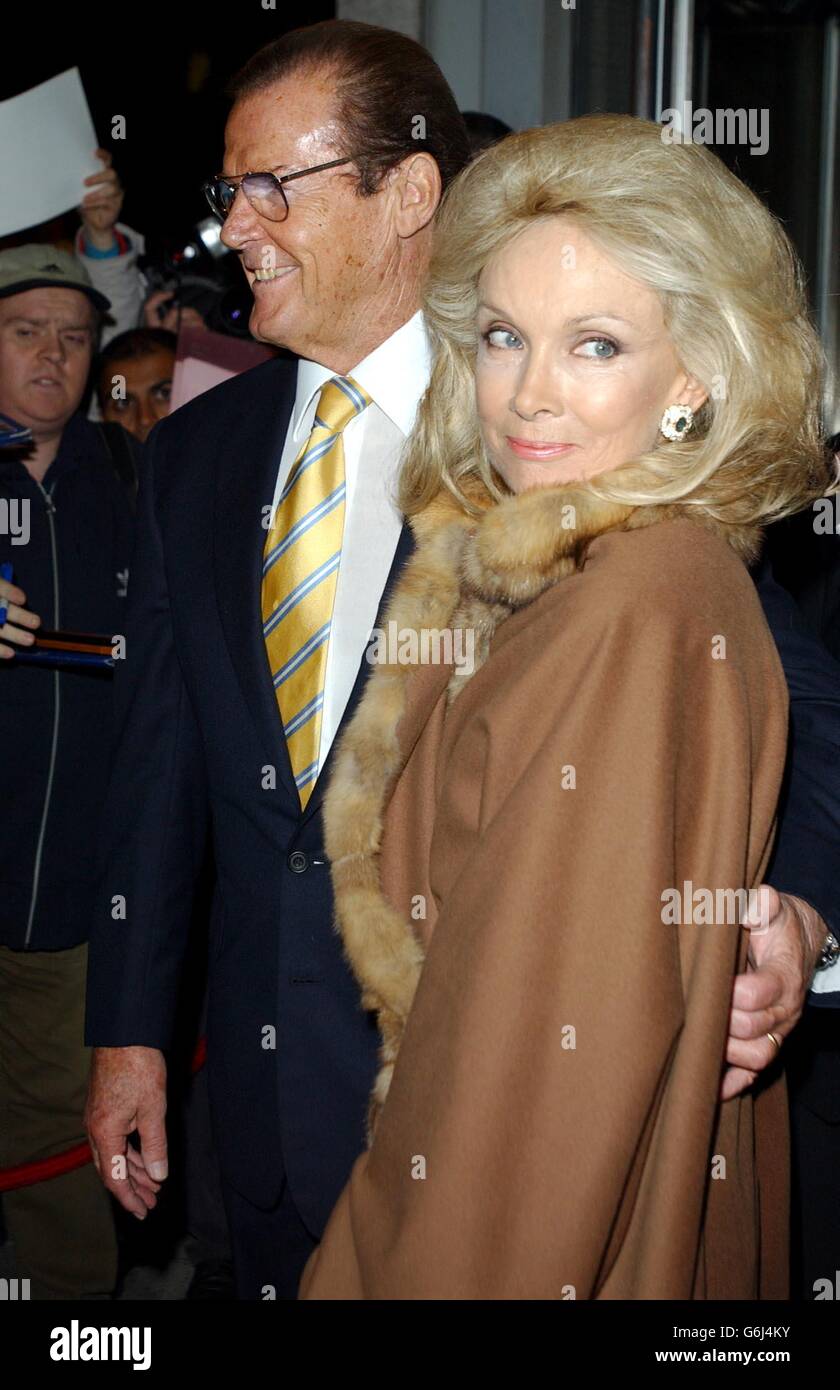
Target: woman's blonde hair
[{"x": 675, "y": 218}]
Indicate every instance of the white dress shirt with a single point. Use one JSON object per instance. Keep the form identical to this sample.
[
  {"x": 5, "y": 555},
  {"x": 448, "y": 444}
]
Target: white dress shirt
[
  {"x": 826, "y": 981},
  {"x": 395, "y": 376}
]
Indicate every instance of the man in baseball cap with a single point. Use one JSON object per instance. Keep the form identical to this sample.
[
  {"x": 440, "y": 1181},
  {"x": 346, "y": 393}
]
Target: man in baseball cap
[
  {"x": 50, "y": 315},
  {"x": 67, "y": 554},
  {"x": 35, "y": 267}
]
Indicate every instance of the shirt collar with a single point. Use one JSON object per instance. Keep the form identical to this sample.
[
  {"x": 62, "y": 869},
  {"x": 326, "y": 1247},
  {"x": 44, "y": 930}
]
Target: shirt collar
[{"x": 395, "y": 375}]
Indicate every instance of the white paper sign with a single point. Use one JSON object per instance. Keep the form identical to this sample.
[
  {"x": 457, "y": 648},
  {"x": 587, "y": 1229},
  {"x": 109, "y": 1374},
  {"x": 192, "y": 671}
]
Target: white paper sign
[{"x": 47, "y": 144}]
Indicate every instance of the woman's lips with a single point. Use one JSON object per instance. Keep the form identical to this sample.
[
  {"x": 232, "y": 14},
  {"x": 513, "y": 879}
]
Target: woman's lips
[{"x": 527, "y": 449}]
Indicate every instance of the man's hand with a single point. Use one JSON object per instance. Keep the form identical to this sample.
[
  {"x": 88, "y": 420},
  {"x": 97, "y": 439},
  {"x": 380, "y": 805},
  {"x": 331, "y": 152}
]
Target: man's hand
[
  {"x": 174, "y": 317},
  {"x": 127, "y": 1091},
  {"x": 100, "y": 209},
  {"x": 770, "y": 997},
  {"x": 19, "y": 621}
]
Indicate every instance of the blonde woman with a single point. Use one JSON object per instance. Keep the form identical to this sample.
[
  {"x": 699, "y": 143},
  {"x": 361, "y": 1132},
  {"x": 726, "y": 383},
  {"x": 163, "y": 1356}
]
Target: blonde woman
[{"x": 525, "y": 849}]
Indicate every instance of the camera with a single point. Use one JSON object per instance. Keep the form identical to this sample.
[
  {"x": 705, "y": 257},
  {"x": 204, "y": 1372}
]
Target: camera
[{"x": 202, "y": 274}]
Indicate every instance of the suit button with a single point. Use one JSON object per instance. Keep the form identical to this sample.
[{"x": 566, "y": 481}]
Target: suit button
[{"x": 298, "y": 862}]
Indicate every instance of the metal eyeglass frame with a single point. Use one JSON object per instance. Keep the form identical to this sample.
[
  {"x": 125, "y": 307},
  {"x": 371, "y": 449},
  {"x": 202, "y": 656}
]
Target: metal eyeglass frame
[{"x": 274, "y": 184}]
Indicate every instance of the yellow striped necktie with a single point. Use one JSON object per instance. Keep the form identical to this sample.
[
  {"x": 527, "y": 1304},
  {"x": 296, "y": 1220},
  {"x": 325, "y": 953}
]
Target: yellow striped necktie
[{"x": 300, "y": 575}]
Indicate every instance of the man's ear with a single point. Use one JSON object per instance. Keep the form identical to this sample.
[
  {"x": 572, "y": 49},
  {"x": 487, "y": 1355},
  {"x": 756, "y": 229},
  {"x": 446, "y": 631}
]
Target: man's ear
[{"x": 417, "y": 189}]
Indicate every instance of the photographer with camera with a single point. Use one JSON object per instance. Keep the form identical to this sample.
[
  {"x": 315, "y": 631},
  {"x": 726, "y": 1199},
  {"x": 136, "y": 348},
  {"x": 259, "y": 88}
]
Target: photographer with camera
[{"x": 71, "y": 491}]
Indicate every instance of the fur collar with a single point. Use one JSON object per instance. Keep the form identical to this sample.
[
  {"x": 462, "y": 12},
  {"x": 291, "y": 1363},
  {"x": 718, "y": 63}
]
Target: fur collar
[{"x": 466, "y": 572}]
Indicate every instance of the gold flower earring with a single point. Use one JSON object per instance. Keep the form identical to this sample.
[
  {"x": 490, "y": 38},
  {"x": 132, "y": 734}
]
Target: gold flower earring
[{"x": 676, "y": 421}]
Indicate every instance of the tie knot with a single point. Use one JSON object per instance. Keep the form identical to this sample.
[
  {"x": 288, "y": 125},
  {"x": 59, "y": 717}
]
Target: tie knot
[{"x": 341, "y": 399}]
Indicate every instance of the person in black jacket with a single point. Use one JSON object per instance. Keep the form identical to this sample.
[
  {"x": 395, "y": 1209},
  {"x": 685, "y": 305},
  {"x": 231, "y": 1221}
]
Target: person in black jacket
[{"x": 68, "y": 541}]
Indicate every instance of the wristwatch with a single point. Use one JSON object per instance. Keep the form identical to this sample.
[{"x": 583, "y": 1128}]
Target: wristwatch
[{"x": 830, "y": 953}]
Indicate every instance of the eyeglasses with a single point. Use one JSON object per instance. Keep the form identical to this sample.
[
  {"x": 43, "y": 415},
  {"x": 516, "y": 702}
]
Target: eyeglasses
[{"x": 264, "y": 191}]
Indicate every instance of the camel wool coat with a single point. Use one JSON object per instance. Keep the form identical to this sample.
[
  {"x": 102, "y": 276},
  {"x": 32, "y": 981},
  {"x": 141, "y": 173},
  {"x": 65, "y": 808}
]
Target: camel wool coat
[{"x": 521, "y": 853}]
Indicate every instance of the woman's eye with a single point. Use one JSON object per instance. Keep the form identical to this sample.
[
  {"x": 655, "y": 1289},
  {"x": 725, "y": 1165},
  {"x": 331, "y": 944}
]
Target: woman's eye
[
  {"x": 501, "y": 338},
  {"x": 602, "y": 349}
]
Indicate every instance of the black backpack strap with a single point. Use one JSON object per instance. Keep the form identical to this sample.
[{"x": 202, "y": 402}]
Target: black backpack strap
[{"x": 124, "y": 453}]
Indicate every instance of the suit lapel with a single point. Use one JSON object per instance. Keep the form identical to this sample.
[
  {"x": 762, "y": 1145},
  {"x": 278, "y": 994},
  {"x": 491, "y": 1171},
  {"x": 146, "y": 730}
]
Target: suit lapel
[
  {"x": 246, "y": 475},
  {"x": 405, "y": 546}
]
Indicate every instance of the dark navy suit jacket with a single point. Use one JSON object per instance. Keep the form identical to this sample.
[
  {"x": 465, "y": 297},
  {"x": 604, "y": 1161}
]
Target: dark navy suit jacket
[
  {"x": 806, "y": 857},
  {"x": 291, "y": 1054}
]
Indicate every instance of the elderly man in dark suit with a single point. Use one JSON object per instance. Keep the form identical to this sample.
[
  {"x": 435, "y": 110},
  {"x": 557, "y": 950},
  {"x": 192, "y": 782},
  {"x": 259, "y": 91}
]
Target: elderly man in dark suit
[
  {"x": 267, "y": 538},
  {"x": 804, "y": 553}
]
